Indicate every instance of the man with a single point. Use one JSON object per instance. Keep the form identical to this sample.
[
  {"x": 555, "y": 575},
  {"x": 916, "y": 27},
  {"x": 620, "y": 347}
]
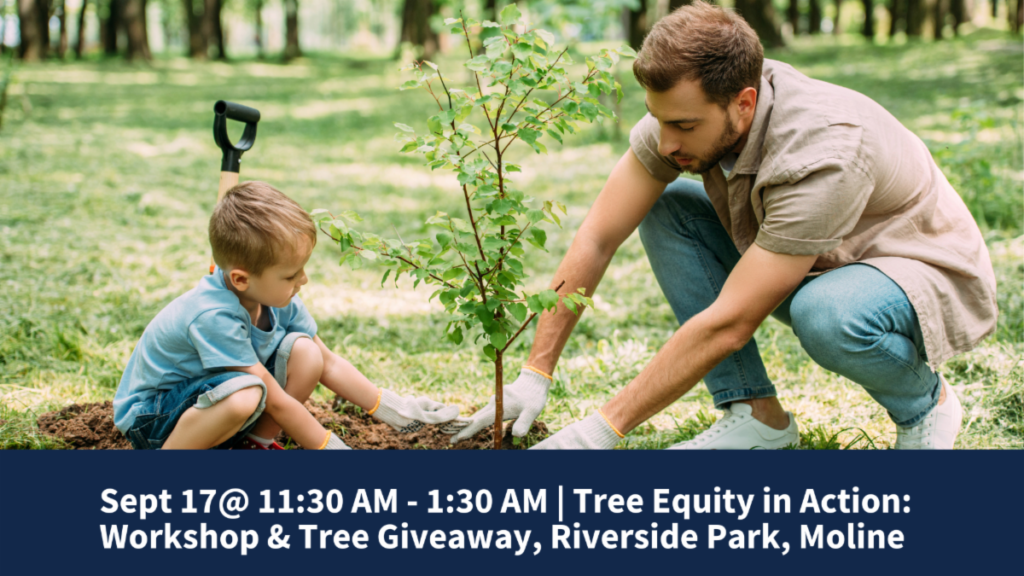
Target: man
[{"x": 817, "y": 206}]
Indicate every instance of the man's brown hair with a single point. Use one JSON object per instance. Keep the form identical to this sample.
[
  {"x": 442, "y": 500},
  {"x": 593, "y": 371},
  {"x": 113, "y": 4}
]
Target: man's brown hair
[
  {"x": 253, "y": 223},
  {"x": 701, "y": 42}
]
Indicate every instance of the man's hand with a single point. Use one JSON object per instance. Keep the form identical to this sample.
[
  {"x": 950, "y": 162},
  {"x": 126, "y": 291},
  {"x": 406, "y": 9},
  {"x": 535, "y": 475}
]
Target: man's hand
[
  {"x": 407, "y": 414},
  {"x": 523, "y": 400},
  {"x": 591, "y": 433}
]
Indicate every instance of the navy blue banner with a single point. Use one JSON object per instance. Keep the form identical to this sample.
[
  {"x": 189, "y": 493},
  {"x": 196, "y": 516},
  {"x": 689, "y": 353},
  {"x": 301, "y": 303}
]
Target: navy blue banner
[{"x": 251, "y": 513}]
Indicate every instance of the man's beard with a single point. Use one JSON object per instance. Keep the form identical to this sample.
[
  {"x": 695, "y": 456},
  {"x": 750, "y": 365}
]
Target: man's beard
[{"x": 726, "y": 143}]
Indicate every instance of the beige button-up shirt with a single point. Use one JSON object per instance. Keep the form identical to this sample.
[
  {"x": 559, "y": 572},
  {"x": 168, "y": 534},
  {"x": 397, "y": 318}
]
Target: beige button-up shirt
[{"x": 827, "y": 171}]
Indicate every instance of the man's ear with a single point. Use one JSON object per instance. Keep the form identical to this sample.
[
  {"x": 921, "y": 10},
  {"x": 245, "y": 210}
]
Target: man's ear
[
  {"x": 746, "y": 102},
  {"x": 239, "y": 279}
]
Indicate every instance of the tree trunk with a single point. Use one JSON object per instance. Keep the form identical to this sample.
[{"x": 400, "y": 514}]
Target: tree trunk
[
  {"x": 62, "y": 41},
  {"x": 869, "y": 20},
  {"x": 915, "y": 17},
  {"x": 1015, "y": 14},
  {"x": 499, "y": 408},
  {"x": 112, "y": 27},
  {"x": 814, "y": 17},
  {"x": 194, "y": 24},
  {"x": 674, "y": 5},
  {"x": 939, "y": 17},
  {"x": 958, "y": 10},
  {"x": 836, "y": 30},
  {"x": 995, "y": 7},
  {"x": 259, "y": 29},
  {"x": 80, "y": 40},
  {"x": 416, "y": 26},
  {"x": 793, "y": 15},
  {"x": 760, "y": 14},
  {"x": 291, "y": 45},
  {"x": 212, "y": 29},
  {"x": 634, "y": 23},
  {"x": 897, "y": 15},
  {"x": 135, "y": 27},
  {"x": 33, "y": 20}
]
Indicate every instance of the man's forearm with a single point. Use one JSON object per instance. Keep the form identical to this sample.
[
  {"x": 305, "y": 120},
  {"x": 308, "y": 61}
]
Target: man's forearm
[
  {"x": 583, "y": 267},
  {"x": 696, "y": 348}
]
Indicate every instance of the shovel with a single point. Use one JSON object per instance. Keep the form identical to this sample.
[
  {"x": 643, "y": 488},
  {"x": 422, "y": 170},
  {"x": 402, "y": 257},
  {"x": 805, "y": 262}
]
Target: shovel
[{"x": 232, "y": 153}]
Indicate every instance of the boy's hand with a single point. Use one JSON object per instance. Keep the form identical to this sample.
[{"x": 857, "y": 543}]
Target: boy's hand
[{"x": 408, "y": 414}]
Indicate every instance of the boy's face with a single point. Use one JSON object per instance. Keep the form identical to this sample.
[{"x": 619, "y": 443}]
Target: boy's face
[{"x": 278, "y": 283}]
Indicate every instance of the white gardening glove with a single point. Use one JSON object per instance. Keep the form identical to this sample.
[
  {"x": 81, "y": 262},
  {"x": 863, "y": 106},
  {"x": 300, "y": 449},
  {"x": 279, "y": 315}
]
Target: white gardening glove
[
  {"x": 408, "y": 414},
  {"x": 523, "y": 400},
  {"x": 591, "y": 433}
]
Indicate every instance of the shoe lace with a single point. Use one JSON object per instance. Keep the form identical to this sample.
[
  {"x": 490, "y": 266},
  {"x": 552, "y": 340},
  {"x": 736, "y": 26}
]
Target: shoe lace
[
  {"x": 720, "y": 425},
  {"x": 917, "y": 436}
]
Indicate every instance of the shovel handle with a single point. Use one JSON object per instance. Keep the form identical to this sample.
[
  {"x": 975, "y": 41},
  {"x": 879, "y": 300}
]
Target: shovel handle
[{"x": 228, "y": 180}]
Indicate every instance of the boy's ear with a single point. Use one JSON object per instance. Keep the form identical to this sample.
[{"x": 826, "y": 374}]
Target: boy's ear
[{"x": 239, "y": 279}]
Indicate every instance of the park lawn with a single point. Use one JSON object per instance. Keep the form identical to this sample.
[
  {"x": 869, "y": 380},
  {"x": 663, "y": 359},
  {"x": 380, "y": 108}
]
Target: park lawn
[{"x": 108, "y": 174}]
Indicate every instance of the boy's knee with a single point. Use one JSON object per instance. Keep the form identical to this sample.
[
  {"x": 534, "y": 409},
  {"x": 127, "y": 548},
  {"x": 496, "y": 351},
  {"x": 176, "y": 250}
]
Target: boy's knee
[
  {"x": 307, "y": 354},
  {"x": 242, "y": 404}
]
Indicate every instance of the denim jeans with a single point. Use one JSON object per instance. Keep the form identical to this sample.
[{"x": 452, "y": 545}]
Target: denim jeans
[{"x": 853, "y": 321}]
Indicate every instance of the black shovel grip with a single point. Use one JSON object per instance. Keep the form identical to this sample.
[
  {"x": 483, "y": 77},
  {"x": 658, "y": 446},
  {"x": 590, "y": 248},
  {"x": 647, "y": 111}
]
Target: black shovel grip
[{"x": 223, "y": 111}]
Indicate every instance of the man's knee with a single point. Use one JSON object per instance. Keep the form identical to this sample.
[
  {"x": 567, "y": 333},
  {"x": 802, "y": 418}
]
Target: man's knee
[
  {"x": 829, "y": 330},
  {"x": 681, "y": 200},
  {"x": 242, "y": 404},
  {"x": 307, "y": 355}
]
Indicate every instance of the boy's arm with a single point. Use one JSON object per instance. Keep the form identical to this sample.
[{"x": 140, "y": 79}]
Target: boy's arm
[
  {"x": 405, "y": 414},
  {"x": 287, "y": 411}
]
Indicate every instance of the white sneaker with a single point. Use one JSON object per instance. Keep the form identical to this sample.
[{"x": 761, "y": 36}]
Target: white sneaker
[
  {"x": 939, "y": 428},
  {"x": 738, "y": 430}
]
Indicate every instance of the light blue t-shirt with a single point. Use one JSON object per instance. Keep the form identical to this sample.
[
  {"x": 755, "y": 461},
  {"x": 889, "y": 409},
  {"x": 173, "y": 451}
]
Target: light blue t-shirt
[{"x": 199, "y": 333}]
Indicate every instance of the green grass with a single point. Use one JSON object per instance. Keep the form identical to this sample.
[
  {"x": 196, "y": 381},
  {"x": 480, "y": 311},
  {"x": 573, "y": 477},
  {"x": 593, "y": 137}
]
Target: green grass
[{"x": 108, "y": 174}]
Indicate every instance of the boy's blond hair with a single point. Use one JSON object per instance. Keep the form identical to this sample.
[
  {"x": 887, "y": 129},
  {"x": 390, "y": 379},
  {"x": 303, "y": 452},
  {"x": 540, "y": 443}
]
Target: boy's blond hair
[{"x": 253, "y": 223}]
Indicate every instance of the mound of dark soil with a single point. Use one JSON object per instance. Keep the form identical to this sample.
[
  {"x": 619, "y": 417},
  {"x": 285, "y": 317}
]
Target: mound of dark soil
[{"x": 91, "y": 427}]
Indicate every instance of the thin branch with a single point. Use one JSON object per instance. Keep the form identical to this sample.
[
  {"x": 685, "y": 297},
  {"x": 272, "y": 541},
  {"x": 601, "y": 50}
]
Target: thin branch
[
  {"x": 527, "y": 323},
  {"x": 476, "y": 76},
  {"x": 402, "y": 258},
  {"x": 530, "y": 91},
  {"x": 514, "y": 242}
]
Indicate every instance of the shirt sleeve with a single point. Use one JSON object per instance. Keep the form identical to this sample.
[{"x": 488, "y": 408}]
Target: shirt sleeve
[
  {"x": 644, "y": 139},
  {"x": 300, "y": 320},
  {"x": 812, "y": 215},
  {"x": 222, "y": 339}
]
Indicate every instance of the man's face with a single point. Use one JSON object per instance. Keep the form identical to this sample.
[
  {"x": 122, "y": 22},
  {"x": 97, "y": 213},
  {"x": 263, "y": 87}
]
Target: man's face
[
  {"x": 695, "y": 132},
  {"x": 278, "y": 283}
]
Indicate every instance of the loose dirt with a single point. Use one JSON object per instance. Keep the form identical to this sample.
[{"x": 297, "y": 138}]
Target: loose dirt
[{"x": 91, "y": 427}]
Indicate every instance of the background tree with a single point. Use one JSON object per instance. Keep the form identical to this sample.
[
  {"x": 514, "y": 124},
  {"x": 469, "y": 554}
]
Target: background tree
[
  {"x": 192, "y": 11},
  {"x": 80, "y": 39},
  {"x": 134, "y": 22},
  {"x": 836, "y": 22},
  {"x": 760, "y": 14},
  {"x": 291, "y": 36},
  {"x": 34, "y": 26},
  {"x": 213, "y": 27},
  {"x": 62, "y": 38},
  {"x": 793, "y": 15},
  {"x": 416, "y": 29},
  {"x": 868, "y": 28},
  {"x": 634, "y": 23},
  {"x": 814, "y": 17}
]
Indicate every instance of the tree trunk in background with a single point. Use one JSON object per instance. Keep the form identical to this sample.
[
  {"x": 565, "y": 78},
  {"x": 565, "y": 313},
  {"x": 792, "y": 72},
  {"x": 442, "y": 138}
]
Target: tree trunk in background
[
  {"x": 212, "y": 28},
  {"x": 760, "y": 14},
  {"x": 416, "y": 26},
  {"x": 33, "y": 20},
  {"x": 674, "y": 5},
  {"x": 135, "y": 28},
  {"x": 80, "y": 40},
  {"x": 958, "y": 10},
  {"x": 1015, "y": 14},
  {"x": 112, "y": 27},
  {"x": 490, "y": 10},
  {"x": 291, "y": 36},
  {"x": 915, "y": 17},
  {"x": 939, "y": 11},
  {"x": 897, "y": 15},
  {"x": 836, "y": 30},
  {"x": 194, "y": 24},
  {"x": 62, "y": 40},
  {"x": 814, "y": 17},
  {"x": 634, "y": 22},
  {"x": 793, "y": 15},
  {"x": 869, "y": 20},
  {"x": 259, "y": 29}
]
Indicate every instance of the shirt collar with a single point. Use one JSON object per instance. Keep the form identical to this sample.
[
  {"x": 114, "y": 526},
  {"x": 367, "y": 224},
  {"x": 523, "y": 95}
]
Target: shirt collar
[{"x": 750, "y": 157}]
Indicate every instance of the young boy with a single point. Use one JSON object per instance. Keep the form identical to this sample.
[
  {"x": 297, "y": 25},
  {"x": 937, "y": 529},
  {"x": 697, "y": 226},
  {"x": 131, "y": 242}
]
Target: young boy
[{"x": 230, "y": 362}]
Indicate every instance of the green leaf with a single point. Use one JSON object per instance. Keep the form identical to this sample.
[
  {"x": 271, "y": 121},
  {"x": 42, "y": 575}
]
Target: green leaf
[
  {"x": 501, "y": 68},
  {"x": 385, "y": 278},
  {"x": 535, "y": 304},
  {"x": 548, "y": 299},
  {"x": 554, "y": 135},
  {"x": 510, "y": 14},
  {"x": 450, "y": 21},
  {"x": 499, "y": 339},
  {"x": 522, "y": 50},
  {"x": 479, "y": 64},
  {"x": 535, "y": 215},
  {"x": 626, "y": 51},
  {"x": 489, "y": 24},
  {"x": 493, "y": 243},
  {"x": 409, "y": 84},
  {"x": 489, "y": 350},
  {"x": 518, "y": 310},
  {"x": 509, "y": 127},
  {"x": 456, "y": 335},
  {"x": 368, "y": 254},
  {"x": 404, "y": 127},
  {"x": 547, "y": 37},
  {"x": 443, "y": 238},
  {"x": 529, "y": 135},
  {"x": 453, "y": 273},
  {"x": 434, "y": 124},
  {"x": 512, "y": 168}
]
